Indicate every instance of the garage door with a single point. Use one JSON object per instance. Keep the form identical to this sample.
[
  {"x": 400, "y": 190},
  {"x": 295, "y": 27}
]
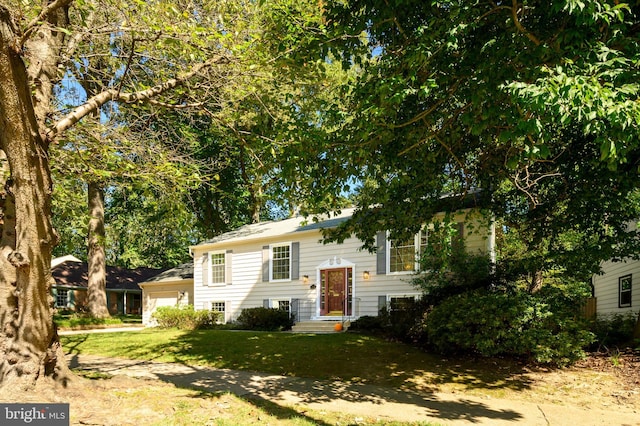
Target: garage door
[{"x": 157, "y": 299}]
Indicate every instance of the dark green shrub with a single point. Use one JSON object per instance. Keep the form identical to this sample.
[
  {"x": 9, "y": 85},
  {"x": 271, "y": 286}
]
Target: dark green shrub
[
  {"x": 264, "y": 319},
  {"x": 541, "y": 327},
  {"x": 613, "y": 330},
  {"x": 405, "y": 320},
  {"x": 185, "y": 317},
  {"x": 367, "y": 323}
]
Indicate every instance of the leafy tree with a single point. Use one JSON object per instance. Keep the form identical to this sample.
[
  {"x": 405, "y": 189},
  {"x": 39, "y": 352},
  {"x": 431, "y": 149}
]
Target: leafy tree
[
  {"x": 170, "y": 54},
  {"x": 534, "y": 102}
]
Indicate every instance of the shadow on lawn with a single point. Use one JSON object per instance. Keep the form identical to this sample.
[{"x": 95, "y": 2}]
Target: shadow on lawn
[
  {"x": 342, "y": 391},
  {"x": 274, "y": 393},
  {"x": 346, "y": 357}
]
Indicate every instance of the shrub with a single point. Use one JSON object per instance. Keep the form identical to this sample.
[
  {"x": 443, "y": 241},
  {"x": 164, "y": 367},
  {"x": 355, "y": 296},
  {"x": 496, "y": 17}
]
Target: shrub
[
  {"x": 614, "y": 330},
  {"x": 264, "y": 319},
  {"x": 543, "y": 327},
  {"x": 184, "y": 317},
  {"x": 405, "y": 321},
  {"x": 367, "y": 323}
]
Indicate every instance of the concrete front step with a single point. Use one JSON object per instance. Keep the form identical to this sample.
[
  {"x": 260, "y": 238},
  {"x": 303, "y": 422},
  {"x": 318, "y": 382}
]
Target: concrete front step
[{"x": 318, "y": 326}]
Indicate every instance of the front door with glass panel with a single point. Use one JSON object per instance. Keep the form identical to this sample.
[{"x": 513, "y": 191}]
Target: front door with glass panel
[{"x": 335, "y": 291}]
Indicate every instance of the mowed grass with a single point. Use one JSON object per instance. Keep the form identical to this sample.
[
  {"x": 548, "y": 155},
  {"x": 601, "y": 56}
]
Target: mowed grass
[{"x": 344, "y": 356}]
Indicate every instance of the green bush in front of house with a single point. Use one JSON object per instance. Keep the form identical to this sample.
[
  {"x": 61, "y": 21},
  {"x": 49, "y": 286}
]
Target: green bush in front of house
[
  {"x": 542, "y": 327},
  {"x": 184, "y": 317},
  {"x": 614, "y": 331},
  {"x": 264, "y": 319}
]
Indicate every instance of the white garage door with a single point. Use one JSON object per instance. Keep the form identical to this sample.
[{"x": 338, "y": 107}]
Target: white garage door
[{"x": 157, "y": 299}]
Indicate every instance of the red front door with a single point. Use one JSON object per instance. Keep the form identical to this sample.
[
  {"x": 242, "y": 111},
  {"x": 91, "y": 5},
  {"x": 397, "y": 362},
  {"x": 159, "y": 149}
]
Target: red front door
[{"x": 333, "y": 291}]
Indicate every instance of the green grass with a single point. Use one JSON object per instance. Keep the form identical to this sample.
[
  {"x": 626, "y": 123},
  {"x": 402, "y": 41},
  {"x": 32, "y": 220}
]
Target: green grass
[
  {"x": 345, "y": 356},
  {"x": 80, "y": 321}
]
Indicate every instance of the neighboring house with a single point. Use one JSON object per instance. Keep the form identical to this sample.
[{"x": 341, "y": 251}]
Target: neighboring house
[
  {"x": 170, "y": 288},
  {"x": 284, "y": 264},
  {"x": 123, "y": 294},
  {"x": 617, "y": 290}
]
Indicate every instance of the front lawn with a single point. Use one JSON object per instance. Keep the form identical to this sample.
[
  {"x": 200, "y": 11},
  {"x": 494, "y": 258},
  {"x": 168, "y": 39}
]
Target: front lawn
[
  {"x": 343, "y": 356},
  {"x": 356, "y": 358}
]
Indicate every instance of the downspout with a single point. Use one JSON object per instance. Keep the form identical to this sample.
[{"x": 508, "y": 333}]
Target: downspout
[{"x": 491, "y": 244}]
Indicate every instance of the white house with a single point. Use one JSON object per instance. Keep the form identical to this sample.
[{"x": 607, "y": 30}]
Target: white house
[
  {"x": 614, "y": 289},
  {"x": 284, "y": 264}
]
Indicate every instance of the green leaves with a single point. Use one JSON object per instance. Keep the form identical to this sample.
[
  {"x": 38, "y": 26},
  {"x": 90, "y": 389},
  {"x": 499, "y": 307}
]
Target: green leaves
[{"x": 537, "y": 105}]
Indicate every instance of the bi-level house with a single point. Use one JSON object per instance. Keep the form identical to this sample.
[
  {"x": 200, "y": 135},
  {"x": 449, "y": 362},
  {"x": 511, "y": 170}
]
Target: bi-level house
[{"x": 284, "y": 264}]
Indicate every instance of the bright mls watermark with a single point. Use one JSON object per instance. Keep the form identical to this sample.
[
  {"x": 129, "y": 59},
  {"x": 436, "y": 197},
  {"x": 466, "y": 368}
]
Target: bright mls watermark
[{"x": 34, "y": 414}]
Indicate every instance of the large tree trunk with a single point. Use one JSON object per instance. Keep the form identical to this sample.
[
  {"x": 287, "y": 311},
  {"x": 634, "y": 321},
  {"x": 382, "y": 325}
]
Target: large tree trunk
[
  {"x": 29, "y": 344},
  {"x": 96, "y": 290}
]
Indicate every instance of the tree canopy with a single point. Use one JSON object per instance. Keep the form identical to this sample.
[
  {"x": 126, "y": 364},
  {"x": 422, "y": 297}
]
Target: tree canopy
[
  {"x": 124, "y": 61},
  {"x": 536, "y": 103}
]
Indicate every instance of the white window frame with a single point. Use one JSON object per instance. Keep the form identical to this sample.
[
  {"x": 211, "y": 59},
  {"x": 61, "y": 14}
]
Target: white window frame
[
  {"x": 417, "y": 248},
  {"x": 289, "y": 245},
  {"x": 212, "y": 265},
  {"x": 224, "y": 307},
  {"x": 275, "y": 303}
]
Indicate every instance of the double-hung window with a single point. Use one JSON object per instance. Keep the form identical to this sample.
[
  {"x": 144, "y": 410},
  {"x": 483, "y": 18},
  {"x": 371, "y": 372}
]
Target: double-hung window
[
  {"x": 62, "y": 298},
  {"x": 404, "y": 255},
  {"x": 219, "y": 307},
  {"x": 624, "y": 291},
  {"x": 217, "y": 268},
  {"x": 281, "y": 262}
]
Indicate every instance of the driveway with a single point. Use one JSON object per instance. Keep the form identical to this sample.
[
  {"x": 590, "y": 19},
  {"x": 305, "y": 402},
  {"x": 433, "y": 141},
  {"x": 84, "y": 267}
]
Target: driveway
[{"x": 372, "y": 401}]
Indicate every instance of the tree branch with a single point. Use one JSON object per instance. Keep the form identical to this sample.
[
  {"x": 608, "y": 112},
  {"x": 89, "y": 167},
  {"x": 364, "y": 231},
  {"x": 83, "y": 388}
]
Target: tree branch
[
  {"x": 519, "y": 26},
  {"x": 42, "y": 17},
  {"x": 94, "y": 103}
]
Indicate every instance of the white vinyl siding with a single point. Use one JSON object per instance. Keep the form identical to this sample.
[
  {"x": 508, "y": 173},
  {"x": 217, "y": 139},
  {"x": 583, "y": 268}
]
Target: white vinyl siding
[
  {"x": 252, "y": 272},
  {"x": 607, "y": 286}
]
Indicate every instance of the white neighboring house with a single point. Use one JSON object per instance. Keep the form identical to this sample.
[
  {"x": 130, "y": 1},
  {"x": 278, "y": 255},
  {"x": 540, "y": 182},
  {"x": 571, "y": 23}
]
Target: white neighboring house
[
  {"x": 173, "y": 287},
  {"x": 284, "y": 264},
  {"x": 614, "y": 289}
]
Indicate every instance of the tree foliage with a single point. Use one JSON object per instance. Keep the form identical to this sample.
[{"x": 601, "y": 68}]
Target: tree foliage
[
  {"x": 534, "y": 102},
  {"x": 127, "y": 57}
]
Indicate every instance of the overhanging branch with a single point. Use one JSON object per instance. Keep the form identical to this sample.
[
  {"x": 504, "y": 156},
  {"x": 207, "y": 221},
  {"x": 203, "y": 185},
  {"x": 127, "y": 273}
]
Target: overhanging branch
[{"x": 93, "y": 104}]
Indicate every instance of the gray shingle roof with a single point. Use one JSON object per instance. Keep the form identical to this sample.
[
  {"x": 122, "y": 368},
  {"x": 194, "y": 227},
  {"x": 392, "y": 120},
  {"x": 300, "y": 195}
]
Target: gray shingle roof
[
  {"x": 181, "y": 272},
  {"x": 269, "y": 229}
]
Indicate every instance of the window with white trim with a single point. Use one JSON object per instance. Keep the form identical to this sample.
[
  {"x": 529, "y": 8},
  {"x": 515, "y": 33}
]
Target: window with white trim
[
  {"x": 220, "y": 308},
  {"x": 624, "y": 291},
  {"x": 280, "y": 262},
  {"x": 62, "y": 297},
  {"x": 282, "y": 304},
  {"x": 403, "y": 256},
  {"x": 217, "y": 267}
]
